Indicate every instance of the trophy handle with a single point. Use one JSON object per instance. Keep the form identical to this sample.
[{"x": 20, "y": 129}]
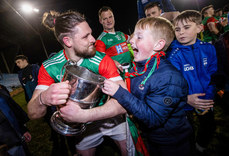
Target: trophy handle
[{"x": 69, "y": 62}]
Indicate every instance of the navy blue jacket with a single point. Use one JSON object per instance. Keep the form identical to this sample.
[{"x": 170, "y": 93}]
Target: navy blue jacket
[
  {"x": 159, "y": 107},
  {"x": 29, "y": 80},
  {"x": 197, "y": 63}
]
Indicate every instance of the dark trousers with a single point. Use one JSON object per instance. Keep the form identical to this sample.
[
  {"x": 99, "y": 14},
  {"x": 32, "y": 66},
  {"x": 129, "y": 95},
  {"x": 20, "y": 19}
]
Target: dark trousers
[
  {"x": 181, "y": 149},
  {"x": 203, "y": 128}
]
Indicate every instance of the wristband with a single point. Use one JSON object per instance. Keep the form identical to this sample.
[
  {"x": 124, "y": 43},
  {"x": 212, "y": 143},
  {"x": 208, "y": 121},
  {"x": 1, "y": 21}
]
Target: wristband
[{"x": 41, "y": 103}]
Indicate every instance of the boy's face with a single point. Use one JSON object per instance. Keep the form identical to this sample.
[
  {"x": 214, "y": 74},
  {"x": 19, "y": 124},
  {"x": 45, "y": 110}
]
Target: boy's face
[
  {"x": 143, "y": 44},
  {"x": 186, "y": 32},
  {"x": 21, "y": 63},
  {"x": 210, "y": 11},
  {"x": 153, "y": 12}
]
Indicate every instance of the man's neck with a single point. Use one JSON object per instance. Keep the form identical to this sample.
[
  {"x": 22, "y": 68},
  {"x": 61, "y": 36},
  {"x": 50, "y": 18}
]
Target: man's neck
[
  {"x": 71, "y": 55},
  {"x": 110, "y": 30}
]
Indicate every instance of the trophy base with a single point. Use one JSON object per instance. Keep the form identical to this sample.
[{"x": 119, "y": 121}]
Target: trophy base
[{"x": 64, "y": 128}]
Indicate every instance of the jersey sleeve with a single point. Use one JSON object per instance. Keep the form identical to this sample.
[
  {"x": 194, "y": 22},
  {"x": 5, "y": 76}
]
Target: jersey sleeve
[
  {"x": 100, "y": 46},
  {"x": 212, "y": 19},
  {"x": 108, "y": 69},
  {"x": 44, "y": 79},
  {"x": 127, "y": 37}
]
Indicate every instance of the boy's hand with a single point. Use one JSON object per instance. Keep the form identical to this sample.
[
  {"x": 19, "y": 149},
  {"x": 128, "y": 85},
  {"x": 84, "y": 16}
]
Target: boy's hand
[
  {"x": 110, "y": 87},
  {"x": 198, "y": 103},
  {"x": 27, "y": 136},
  {"x": 118, "y": 65}
]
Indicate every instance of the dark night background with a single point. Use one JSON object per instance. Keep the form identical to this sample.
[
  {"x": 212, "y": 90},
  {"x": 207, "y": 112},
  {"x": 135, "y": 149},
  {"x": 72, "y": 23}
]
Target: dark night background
[{"x": 18, "y": 30}]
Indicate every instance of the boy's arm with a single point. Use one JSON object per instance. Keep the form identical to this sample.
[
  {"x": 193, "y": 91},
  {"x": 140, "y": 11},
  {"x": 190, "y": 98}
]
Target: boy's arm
[
  {"x": 174, "y": 60},
  {"x": 159, "y": 102}
]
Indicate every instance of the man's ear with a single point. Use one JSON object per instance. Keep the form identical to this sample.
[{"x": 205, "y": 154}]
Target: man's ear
[
  {"x": 100, "y": 21},
  {"x": 159, "y": 45},
  {"x": 67, "y": 41}
]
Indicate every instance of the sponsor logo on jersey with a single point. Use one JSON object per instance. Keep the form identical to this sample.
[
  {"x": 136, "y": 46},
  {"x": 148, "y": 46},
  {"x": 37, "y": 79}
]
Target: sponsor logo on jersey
[
  {"x": 118, "y": 37},
  {"x": 110, "y": 40},
  {"x": 58, "y": 77},
  {"x": 188, "y": 67},
  {"x": 119, "y": 49},
  {"x": 205, "y": 61}
]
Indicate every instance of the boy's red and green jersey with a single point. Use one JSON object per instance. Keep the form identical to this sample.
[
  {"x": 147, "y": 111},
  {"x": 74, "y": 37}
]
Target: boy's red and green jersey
[
  {"x": 115, "y": 46},
  {"x": 50, "y": 71},
  {"x": 208, "y": 36}
]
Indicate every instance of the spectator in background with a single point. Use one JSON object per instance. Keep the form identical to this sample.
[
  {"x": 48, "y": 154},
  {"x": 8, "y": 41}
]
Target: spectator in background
[
  {"x": 197, "y": 61},
  {"x": 166, "y": 6},
  {"x": 13, "y": 132},
  {"x": 218, "y": 12},
  {"x": 213, "y": 27},
  {"x": 28, "y": 75},
  {"x": 153, "y": 9},
  {"x": 113, "y": 43}
]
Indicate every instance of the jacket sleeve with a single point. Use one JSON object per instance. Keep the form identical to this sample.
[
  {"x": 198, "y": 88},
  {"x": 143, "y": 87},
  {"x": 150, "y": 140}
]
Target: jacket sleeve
[
  {"x": 140, "y": 8},
  {"x": 159, "y": 101},
  {"x": 212, "y": 68},
  {"x": 174, "y": 60},
  {"x": 36, "y": 71}
]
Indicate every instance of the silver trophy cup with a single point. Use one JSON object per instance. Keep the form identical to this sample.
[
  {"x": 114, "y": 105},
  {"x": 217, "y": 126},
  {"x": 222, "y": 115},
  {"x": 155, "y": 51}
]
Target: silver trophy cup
[{"x": 85, "y": 90}]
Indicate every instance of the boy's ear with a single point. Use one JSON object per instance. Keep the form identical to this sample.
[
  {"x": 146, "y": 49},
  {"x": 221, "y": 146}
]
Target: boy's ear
[
  {"x": 200, "y": 27},
  {"x": 159, "y": 45},
  {"x": 67, "y": 41}
]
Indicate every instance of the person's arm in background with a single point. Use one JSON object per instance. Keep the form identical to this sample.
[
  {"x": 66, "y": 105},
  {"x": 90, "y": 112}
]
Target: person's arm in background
[
  {"x": 140, "y": 8},
  {"x": 167, "y": 6}
]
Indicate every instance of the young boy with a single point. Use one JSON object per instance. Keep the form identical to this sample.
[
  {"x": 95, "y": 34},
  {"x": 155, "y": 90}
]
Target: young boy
[
  {"x": 197, "y": 62},
  {"x": 158, "y": 91}
]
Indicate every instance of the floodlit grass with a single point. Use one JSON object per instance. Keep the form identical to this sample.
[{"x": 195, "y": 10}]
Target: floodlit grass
[{"x": 41, "y": 145}]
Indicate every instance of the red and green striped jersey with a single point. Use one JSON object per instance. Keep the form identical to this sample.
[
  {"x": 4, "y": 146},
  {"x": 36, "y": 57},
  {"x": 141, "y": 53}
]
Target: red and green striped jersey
[
  {"x": 50, "y": 71},
  {"x": 115, "y": 46}
]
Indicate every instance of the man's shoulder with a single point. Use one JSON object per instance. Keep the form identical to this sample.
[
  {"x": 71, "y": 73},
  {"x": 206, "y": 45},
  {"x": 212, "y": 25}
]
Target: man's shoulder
[
  {"x": 102, "y": 35},
  {"x": 57, "y": 59}
]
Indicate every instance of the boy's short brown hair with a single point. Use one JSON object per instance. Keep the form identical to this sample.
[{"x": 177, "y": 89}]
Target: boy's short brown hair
[
  {"x": 203, "y": 11},
  {"x": 21, "y": 57},
  {"x": 160, "y": 27},
  {"x": 189, "y": 15}
]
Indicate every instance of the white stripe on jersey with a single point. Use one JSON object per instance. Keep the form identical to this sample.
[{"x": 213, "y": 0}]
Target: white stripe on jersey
[
  {"x": 94, "y": 62},
  {"x": 54, "y": 63},
  {"x": 54, "y": 60}
]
